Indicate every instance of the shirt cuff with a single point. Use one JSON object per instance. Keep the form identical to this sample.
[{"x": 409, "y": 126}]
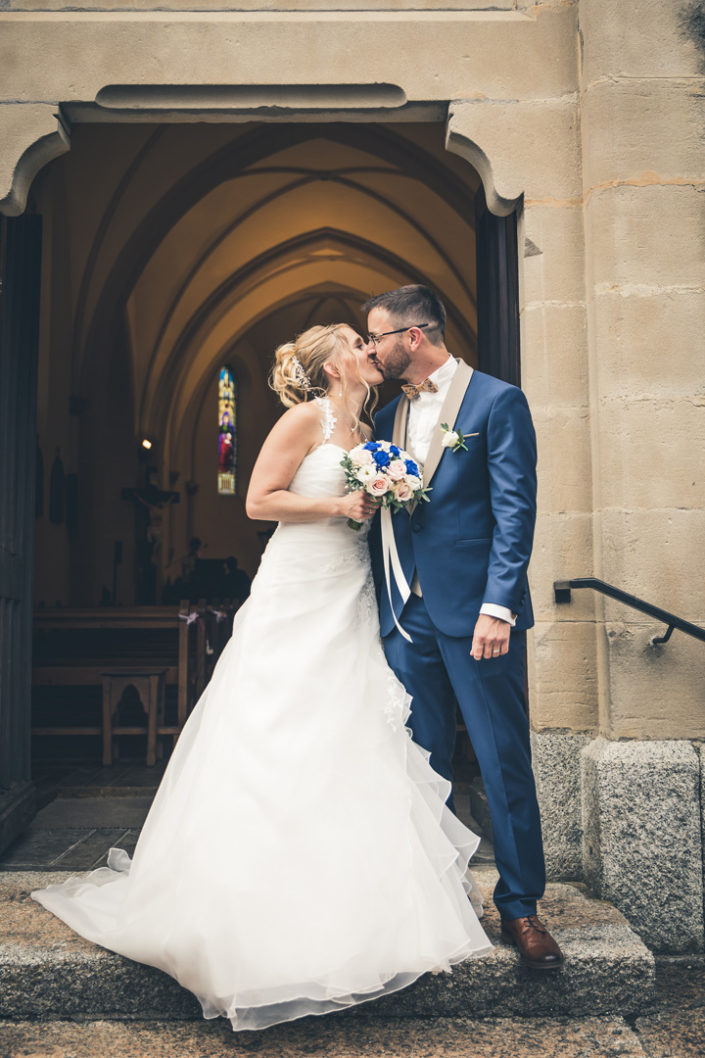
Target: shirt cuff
[{"x": 502, "y": 612}]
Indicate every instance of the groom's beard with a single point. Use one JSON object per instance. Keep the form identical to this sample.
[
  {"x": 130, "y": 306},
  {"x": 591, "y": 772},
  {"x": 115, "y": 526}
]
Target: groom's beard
[{"x": 395, "y": 364}]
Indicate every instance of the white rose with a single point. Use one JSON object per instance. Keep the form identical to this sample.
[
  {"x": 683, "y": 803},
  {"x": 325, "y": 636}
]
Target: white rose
[
  {"x": 397, "y": 469},
  {"x": 403, "y": 491},
  {"x": 379, "y": 485},
  {"x": 366, "y": 473},
  {"x": 361, "y": 457},
  {"x": 450, "y": 438},
  {"x": 413, "y": 482}
]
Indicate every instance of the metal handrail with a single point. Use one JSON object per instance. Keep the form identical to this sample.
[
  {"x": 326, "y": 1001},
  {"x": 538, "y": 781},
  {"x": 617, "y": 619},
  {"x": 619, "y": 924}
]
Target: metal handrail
[{"x": 562, "y": 589}]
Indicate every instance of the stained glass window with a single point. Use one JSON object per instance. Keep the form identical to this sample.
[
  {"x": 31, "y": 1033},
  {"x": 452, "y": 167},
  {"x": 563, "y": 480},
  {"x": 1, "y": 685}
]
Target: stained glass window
[{"x": 227, "y": 432}]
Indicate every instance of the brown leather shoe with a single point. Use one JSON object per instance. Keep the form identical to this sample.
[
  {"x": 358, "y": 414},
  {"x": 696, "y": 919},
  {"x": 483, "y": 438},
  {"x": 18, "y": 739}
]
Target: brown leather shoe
[{"x": 536, "y": 945}]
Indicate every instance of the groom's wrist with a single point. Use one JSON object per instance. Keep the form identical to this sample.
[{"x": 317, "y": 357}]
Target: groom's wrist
[{"x": 502, "y": 612}]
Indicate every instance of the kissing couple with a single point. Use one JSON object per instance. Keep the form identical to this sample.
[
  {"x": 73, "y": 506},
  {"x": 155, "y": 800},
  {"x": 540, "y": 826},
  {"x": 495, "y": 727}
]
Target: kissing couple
[{"x": 302, "y": 854}]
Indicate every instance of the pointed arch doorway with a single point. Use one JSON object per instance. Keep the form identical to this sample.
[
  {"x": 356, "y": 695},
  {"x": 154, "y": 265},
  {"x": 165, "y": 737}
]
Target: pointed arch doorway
[{"x": 192, "y": 246}]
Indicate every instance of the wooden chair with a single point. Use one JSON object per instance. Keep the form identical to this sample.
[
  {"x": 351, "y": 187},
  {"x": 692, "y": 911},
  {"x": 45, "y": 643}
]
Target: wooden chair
[{"x": 149, "y": 684}]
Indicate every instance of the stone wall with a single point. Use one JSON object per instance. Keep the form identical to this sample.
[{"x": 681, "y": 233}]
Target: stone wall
[{"x": 587, "y": 117}]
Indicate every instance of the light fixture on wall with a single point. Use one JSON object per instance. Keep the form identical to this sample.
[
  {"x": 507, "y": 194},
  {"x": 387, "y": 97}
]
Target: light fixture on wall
[{"x": 146, "y": 447}]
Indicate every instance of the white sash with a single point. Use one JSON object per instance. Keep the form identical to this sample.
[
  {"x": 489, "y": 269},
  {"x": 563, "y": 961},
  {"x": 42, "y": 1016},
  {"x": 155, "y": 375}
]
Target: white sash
[{"x": 390, "y": 557}]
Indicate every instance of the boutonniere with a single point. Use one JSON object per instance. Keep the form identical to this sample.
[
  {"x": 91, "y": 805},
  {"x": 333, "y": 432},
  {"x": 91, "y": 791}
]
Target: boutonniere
[{"x": 454, "y": 439}]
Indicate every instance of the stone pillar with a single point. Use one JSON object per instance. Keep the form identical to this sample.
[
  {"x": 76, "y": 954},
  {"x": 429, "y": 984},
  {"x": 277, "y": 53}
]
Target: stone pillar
[
  {"x": 557, "y": 769},
  {"x": 641, "y": 817},
  {"x": 643, "y": 173},
  {"x": 644, "y": 208}
]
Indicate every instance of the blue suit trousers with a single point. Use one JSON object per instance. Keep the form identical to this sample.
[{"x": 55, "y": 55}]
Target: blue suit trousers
[{"x": 436, "y": 669}]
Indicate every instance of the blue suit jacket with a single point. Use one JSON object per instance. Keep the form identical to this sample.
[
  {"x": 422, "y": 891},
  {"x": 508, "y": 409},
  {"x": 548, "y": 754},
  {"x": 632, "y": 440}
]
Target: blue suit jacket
[{"x": 472, "y": 541}]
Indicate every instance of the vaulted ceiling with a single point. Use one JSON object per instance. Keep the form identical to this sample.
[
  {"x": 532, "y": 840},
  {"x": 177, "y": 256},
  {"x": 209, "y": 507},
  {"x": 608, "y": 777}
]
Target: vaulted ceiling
[{"x": 204, "y": 243}]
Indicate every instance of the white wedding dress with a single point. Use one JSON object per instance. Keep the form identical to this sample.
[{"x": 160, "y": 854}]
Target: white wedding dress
[{"x": 298, "y": 857}]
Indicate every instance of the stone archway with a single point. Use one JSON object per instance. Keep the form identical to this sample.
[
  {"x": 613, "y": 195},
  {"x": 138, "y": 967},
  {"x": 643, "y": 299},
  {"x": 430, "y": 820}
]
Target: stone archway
[{"x": 430, "y": 219}]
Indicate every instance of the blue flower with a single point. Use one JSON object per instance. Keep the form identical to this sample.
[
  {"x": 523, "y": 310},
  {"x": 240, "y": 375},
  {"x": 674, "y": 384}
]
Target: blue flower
[
  {"x": 372, "y": 446},
  {"x": 393, "y": 450},
  {"x": 381, "y": 458},
  {"x": 412, "y": 468}
]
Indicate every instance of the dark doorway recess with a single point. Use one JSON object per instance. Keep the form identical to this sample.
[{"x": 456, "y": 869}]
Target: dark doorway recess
[
  {"x": 20, "y": 262},
  {"x": 497, "y": 293}
]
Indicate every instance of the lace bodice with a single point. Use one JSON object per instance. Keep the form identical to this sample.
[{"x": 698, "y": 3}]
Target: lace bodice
[
  {"x": 320, "y": 472},
  {"x": 328, "y": 419}
]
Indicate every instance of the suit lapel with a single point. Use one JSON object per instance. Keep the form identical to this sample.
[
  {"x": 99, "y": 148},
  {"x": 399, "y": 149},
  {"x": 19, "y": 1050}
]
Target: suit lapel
[
  {"x": 449, "y": 412},
  {"x": 401, "y": 417}
]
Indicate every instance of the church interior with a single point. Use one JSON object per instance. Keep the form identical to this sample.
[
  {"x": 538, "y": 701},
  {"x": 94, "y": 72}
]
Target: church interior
[{"x": 176, "y": 257}]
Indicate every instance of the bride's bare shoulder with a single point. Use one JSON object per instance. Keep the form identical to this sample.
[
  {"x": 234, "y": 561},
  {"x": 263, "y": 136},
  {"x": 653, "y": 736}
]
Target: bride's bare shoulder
[
  {"x": 308, "y": 411},
  {"x": 300, "y": 423},
  {"x": 304, "y": 417}
]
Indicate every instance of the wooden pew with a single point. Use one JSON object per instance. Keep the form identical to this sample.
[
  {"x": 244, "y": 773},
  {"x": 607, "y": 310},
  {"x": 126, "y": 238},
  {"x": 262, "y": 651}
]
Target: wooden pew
[{"x": 73, "y": 647}]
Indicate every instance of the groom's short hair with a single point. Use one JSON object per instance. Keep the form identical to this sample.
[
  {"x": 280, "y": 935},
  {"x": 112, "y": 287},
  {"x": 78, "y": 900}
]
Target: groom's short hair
[{"x": 413, "y": 304}]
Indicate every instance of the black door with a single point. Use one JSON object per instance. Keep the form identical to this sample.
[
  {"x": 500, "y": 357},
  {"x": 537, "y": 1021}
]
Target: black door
[
  {"x": 20, "y": 261},
  {"x": 497, "y": 294}
]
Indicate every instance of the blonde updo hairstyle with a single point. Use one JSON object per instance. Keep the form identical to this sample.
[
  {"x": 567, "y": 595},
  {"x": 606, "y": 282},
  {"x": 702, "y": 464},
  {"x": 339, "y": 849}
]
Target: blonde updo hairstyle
[
  {"x": 299, "y": 372},
  {"x": 304, "y": 359}
]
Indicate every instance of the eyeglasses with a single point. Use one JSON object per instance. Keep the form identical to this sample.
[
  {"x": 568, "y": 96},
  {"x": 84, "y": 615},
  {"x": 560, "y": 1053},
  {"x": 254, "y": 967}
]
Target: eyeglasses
[{"x": 374, "y": 338}]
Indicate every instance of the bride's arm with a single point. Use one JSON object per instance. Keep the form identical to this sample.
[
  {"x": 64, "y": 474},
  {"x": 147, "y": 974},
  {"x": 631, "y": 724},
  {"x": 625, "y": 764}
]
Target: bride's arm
[{"x": 296, "y": 434}]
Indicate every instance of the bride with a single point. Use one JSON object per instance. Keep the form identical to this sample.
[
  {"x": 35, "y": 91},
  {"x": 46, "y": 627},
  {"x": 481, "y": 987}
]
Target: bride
[{"x": 298, "y": 857}]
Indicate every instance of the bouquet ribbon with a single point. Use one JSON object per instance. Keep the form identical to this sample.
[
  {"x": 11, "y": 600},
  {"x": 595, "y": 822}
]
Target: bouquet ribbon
[{"x": 392, "y": 566}]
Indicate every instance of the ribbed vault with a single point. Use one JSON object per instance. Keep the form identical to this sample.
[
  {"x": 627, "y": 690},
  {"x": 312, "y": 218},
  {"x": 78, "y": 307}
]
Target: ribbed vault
[{"x": 204, "y": 244}]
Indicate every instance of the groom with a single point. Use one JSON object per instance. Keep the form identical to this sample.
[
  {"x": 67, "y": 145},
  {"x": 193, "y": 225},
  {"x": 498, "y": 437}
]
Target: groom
[{"x": 464, "y": 556}]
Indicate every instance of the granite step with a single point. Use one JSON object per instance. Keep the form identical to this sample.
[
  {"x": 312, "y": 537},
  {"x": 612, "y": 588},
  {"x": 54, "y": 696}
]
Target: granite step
[
  {"x": 330, "y": 1037},
  {"x": 48, "y": 971}
]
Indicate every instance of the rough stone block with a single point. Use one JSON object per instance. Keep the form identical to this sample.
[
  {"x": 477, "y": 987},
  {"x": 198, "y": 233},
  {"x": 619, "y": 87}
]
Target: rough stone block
[
  {"x": 701, "y": 753},
  {"x": 645, "y": 132},
  {"x": 30, "y": 134},
  {"x": 563, "y": 675},
  {"x": 652, "y": 692},
  {"x": 456, "y": 53},
  {"x": 46, "y": 970},
  {"x": 650, "y": 553},
  {"x": 564, "y": 458},
  {"x": 651, "y": 455},
  {"x": 526, "y": 148},
  {"x": 673, "y": 1032},
  {"x": 642, "y": 845},
  {"x": 552, "y": 257},
  {"x": 644, "y": 38},
  {"x": 646, "y": 343},
  {"x": 563, "y": 548},
  {"x": 328, "y": 1037},
  {"x": 557, "y": 768},
  {"x": 645, "y": 239},
  {"x": 268, "y": 5},
  {"x": 554, "y": 345}
]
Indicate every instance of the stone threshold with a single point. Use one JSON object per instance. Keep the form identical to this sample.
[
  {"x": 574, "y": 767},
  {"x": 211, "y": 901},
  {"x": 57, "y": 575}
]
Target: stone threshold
[
  {"x": 332, "y": 1036},
  {"x": 48, "y": 971}
]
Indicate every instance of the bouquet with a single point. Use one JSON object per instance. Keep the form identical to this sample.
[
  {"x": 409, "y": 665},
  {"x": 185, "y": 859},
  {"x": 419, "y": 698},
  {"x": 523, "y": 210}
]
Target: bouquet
[{"x": 386, "y": 473}]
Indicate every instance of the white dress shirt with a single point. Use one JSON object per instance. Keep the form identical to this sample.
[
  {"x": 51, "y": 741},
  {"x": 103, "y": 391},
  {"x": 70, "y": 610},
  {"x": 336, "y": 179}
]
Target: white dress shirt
[{"x": 424, "y": 413}]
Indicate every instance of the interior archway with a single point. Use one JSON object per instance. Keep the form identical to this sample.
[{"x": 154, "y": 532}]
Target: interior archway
[{"x": 175, "y": 249}]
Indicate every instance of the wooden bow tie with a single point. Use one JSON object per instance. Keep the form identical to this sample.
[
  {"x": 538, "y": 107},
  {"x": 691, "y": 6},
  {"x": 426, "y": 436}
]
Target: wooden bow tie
[{"x": 412, "y": 391}]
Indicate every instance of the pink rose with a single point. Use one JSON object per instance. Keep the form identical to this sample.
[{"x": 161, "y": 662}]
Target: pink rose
[
  {"x": 361, "y": 457},
  {"x": 403, "y": 491},
  {"x": 396, "y": 469},
  {"x": 379, "y": 485}
]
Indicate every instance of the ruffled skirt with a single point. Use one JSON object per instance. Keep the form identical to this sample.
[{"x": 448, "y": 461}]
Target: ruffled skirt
[{"x": 298, "y": 857}]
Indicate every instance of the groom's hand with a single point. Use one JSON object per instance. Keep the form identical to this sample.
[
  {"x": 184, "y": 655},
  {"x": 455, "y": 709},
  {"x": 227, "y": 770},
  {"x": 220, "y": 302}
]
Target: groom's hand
[{"x": 490, "y": 638}]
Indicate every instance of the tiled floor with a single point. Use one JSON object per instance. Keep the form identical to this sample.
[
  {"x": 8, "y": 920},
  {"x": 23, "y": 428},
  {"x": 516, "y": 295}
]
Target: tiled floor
[
  {"x": 87, "y": 809},
  {"x": 126, "y": 779}
]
